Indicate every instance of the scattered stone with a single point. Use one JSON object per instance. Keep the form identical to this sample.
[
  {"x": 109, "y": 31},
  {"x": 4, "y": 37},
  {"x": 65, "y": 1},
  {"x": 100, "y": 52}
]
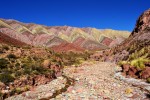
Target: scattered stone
[
  {"x": 106, "y": 91},
  {"x": 80, "y": 90},
  {"x": 4, "y": 91},
  {"x": 70, "y": 89},
  {"x": 46, "y": 63},
  {"x": 95, "y": 83},
  {"x": 48, "y": 95},
  {"x": 91, "y": 82},
  {"x": 146, "y": 73},
  {"x": 129, "y": 95},
  {"x": 77, "y": 79},
  {"x": 73, "y": 91},
  {"x": 125, "y": 67}
]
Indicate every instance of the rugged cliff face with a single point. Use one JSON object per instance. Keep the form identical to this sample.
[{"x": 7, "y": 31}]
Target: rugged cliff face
[
  {"x": 143, "y": 23},
  {"x": 62, "y": 37},
  {"x": 133, "y": 55},
  {"x": 139, "y": 38}
]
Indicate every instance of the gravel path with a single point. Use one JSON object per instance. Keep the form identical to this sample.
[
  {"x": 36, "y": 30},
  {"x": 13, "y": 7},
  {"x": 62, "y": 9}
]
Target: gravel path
[{"x": 88, "y": 82}]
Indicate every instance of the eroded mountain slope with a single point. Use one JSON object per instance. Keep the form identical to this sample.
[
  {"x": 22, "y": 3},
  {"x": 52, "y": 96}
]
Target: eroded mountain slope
[{"x": 40, "y": 35}]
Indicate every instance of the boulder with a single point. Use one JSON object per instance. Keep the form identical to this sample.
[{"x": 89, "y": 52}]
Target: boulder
[
  {"x": 125, "y": 67},
  {"x": 42, "y": 79},
  {"x": 145, "y": 73},
  {"x": 2, "y": 86},
  {"x": 47, "y": 63},
  {"x": 57, "y": 68},
  {"x": 132, "y": 71}
]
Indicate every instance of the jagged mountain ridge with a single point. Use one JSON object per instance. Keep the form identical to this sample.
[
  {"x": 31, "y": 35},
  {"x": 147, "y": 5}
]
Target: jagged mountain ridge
[{"x": 62, "y": 36}]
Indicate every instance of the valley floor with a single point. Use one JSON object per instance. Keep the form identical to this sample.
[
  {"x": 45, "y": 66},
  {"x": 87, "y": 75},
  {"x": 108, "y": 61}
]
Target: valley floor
[{"x": 91, "y": 81}]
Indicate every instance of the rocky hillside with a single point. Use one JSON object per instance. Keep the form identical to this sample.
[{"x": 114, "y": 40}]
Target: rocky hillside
[
  {"x": 133, "y": 54},
  {"x": 137, "y": 61},
  {"x": 22, "y": 68},
  {"x": 64, "y": 37}
]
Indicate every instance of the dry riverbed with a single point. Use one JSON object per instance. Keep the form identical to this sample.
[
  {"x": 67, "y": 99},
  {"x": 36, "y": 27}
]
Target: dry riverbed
[{"x": 90, "y": 81}]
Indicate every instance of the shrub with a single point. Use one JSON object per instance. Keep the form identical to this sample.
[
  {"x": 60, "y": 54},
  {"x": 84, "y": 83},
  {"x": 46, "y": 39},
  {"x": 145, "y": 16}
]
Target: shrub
[
  {"x": 1, "y": 96},
  {"x": 18, "y": 73},
  {"x": 26, "y": 88},
  {"x": 5, "y": 78},
  {"x": 148, "y": 80},
  {"x": 26, "y": 47},
  {"x": 4, "y": 47},
  {"x": 140, "y": 62},
  {"x": 122, "y": 63},
  {"x": 11, "y": 56},
  {"x": 3, "y": 63},
  {"x": 16, "y": 90}
]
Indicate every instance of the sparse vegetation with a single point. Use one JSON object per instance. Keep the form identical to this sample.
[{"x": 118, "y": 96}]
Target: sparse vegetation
[
  {"x": 139, "y": 57},
  {"x": 3, "y": 63},
  {"x": 11, "y": 56},
  {"x": 27, "y": 63},
  {"x": 6, "y": 78},
  {"x": 5, "y": 47}
]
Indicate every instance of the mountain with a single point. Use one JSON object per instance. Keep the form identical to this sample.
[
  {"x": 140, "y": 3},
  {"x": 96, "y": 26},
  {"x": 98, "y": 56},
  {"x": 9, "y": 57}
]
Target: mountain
[
  {"x": 60, "y": 38},
  {"x": 136, "y": 61},
  {"x": 139, "y": 38},
  {"x": 133, "y": 55}
]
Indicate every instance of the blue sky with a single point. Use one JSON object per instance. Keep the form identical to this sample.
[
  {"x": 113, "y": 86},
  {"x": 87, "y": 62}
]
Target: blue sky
[{"x": 102, "y": 14}]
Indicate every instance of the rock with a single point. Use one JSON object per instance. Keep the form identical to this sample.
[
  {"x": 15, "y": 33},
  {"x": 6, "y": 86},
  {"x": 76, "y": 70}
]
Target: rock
[
  {"x": 2, "y": 86},
  {"x": 80, "y": 90},
  {"x": 142, "y": 22},
  {"x": 18, "y": 52},
  {"x": 147, "y": 64},
  {"x": 57, "y": 68},
  {"x": 47, "y": 95},
  {"x": 42, "y": 79},
  {"x": 133, "y": 69},
  {"x": 125, "y": 67},
  {"x": 58, "y": 74},
  {"x": 91, "y": 82},
  {"x": 146, "y": 73},
  {"x": 114, "y": 84},
  {"x": 4, "y": 91},
  {"x": 117, "y": 69},
  {"x": 70, "y": 89},
  {"x": 30, "y": 95},
  {"x": 129, "y": 95},
  {"x": 46, "y": 63},
  {"x": 106, "y": 91},
  {"x": 77, "y": 79},
  {"x": 73, "y": 91},
  {"x": 135, "y": 96},
  {"x": 132, "y": 72}
]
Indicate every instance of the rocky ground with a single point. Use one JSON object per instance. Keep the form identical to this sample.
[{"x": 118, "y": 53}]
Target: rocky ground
[{"x": 90, "y": 81}]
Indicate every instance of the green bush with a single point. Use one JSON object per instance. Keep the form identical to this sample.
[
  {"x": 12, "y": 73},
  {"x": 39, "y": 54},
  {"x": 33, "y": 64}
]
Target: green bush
[
  {"x": 122, "y": 63},
  {"x": 3, "y": 63},
  {"x": 11, "y": 56},
  {"x": 16, "y": 90},
  {"x": 148, "y": 80},
  {"x": 5, "y": 78},
  {"x": 5, "y": 47},
  {"x": 27, "y": 47}
]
